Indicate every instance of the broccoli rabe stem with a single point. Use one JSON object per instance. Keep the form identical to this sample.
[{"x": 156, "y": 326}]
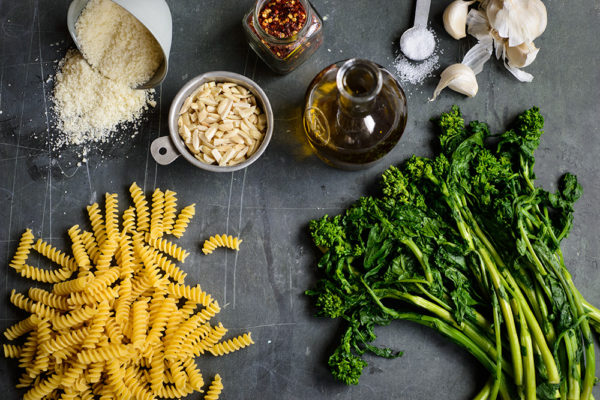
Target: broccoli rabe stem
[
  {"x": 498, "y": 335},
  {"x": 485, "y": 392},
  {"x": 419, "y": 255},
  {"x": 470, "y": 330},
  {"x": 528, "y": 359},
  {"x": 574, "y": 368}
]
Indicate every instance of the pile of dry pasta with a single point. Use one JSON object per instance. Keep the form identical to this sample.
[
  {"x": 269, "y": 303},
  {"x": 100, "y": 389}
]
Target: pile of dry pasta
[{"x": 119, "y": 322}]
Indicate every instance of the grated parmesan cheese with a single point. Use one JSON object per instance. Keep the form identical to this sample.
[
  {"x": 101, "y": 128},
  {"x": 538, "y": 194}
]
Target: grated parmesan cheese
[
  {"x": 117, "y": 44},
  {"x": 89, "y": 106}
]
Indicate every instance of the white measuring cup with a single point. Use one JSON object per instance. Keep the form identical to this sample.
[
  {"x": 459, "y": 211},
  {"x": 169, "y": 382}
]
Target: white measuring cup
[{"x": 153, "y": 14}]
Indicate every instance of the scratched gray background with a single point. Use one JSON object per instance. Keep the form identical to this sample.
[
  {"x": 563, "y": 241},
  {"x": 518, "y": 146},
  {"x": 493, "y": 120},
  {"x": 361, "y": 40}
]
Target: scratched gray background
[{"x": 270, "y": 203}]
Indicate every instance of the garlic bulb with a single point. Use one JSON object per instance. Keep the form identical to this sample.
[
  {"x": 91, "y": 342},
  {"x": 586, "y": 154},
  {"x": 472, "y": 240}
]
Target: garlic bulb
[
  {"x": 519, "y": 21},
  {"x": 459, "y": 78},
  {"x": 455, "y": 18},
  {"x": 522, "y": 55}
]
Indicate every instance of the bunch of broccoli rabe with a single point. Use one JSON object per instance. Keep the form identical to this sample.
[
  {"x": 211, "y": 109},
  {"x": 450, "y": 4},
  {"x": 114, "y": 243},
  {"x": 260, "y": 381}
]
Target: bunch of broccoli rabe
[{"x": 466, "y": 244}]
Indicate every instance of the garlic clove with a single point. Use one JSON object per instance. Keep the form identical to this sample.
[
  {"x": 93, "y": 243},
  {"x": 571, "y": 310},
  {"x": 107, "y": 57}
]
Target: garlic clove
[
  {"x": 522, "y": 55},
  {"x": 455, "y": 18},
  {"x": 519, "y": 21},
  {"x": 458, "y": 77}
]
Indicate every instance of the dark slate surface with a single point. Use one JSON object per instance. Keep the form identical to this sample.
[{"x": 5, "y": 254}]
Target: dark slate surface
[{"x": 270, "y": 203}]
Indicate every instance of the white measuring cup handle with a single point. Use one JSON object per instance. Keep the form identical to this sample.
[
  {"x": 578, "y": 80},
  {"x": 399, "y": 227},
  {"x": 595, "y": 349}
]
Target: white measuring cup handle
[{"x": 163, "y": 151}]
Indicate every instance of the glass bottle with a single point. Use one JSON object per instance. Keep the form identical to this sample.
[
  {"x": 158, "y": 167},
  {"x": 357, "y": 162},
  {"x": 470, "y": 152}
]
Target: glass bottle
[
  {"x": 286, "y": 51},
  {"x": 355, "y": 113}
]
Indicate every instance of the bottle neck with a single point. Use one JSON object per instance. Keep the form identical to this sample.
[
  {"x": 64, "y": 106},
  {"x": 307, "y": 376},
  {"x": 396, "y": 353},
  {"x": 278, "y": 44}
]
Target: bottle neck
[{"x": 359, "y": 83}]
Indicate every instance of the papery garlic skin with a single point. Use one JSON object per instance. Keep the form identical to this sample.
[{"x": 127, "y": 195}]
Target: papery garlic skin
[
  {"x": 459, "y": 78},
  {"x": 519, "y": 21},
  {"x": 455, "y": 18},
  {"x": 522, "y": 55}
]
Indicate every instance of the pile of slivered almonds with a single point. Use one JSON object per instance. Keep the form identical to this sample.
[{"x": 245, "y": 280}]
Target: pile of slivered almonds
[
  {"x": 93, "y": 92},
  {"x": 119, "y": 321},
  {"x": 221, "y": 123}
]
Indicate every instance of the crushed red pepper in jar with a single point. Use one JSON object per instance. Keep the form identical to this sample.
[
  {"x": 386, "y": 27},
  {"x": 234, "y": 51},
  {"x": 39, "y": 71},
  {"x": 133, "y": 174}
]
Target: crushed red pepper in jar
[
  {"x": 284, "y": 33},
  {"x": 282, "y": 18}
]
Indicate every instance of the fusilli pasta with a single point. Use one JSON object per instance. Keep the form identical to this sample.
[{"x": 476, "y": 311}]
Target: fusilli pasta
[
  {"x": 119, "y": 322},
  {"x": 141, "y": 206},
  {"x": 183, "y": 219},
  {"x": 168, "y": 247},
  {"x": 231, "y": 345},
  {"x": 112, "y": 208},
  {"x": 156, "y": 217},
  {"x": 25, "y": 245},
  {"x": 215, "y": 388},
  {"x": 223, "y": 240},
  {"x": 55, "y": 255},
  {"x": 169, "y": 211}
]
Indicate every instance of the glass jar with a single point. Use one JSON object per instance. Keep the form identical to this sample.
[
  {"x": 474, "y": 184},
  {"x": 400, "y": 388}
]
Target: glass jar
[
  {"x": 355, "y": 113},
  {"x": 286, "y": 45}
]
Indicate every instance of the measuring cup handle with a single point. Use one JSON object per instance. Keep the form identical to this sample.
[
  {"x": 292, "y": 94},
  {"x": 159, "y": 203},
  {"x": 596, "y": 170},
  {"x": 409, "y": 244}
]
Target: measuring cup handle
[
  {"x": 163, "y": 151},
  {"x": 422, "y": 13}
]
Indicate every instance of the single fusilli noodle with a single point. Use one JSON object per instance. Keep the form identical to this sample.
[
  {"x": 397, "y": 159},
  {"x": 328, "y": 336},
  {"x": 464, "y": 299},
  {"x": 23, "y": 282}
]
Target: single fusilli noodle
[
  {"x": 141, "y": 207},
  {"x": 168, "y": 247},
  {"x": 25, "y": 245},
  {"x": 156, "y": 216},
  {"x": 49, "y": 299},
  {"x": 215, "y": 388},
  {"x": 183, "y": 219},
  {"x": 55, "y": 255},
  {"x": 91, "y": 246},
  {"x": 170, "y": 211},
  {"x": 72, "y": 286},
  {"x": 231, "y": 345},
  {"x": 129, "y": 220},
  {"x": 112, "y": 208},
  {"x": 22, "y": 327},
  {"x": 223, "y": 240},
  {"x": 97, "y": 222},
  {"x": 82, "y": 259},
  {"x": 73, "y": 318},
  {"x": 44, "y": 275},
  {"x": 71, "y": 338}
]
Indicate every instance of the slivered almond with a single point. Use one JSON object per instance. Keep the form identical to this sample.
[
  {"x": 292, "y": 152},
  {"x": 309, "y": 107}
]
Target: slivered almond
[{"x": 215, "y": 153}]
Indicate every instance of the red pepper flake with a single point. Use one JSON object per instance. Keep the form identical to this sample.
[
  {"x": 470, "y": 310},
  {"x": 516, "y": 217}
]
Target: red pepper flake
[{"x": 282, "y": 18}]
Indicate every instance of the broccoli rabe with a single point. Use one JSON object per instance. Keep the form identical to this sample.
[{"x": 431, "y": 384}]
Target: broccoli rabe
[{"x": 466, "y": 244}]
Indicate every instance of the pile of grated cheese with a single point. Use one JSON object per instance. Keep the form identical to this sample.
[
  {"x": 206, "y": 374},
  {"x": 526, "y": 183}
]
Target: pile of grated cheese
[
  {"x": 117, "y": 44},
  {"x": 89, "y": 106},
  {"x": 91, "y": 102}
]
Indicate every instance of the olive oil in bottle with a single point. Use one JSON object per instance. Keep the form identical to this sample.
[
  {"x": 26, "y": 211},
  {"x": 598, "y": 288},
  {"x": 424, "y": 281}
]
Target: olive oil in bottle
[{"x": 355, "y": 113}]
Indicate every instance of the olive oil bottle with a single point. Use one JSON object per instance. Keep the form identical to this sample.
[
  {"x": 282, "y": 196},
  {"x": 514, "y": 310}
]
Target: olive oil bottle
[{"x": 355, "y": 113}]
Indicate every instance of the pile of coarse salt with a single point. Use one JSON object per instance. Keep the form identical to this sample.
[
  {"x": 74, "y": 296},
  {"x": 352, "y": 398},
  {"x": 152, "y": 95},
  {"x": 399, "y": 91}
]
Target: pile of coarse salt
[
  {"x": 88, "y": 106},
  {"x": 415, "y": 72}
]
